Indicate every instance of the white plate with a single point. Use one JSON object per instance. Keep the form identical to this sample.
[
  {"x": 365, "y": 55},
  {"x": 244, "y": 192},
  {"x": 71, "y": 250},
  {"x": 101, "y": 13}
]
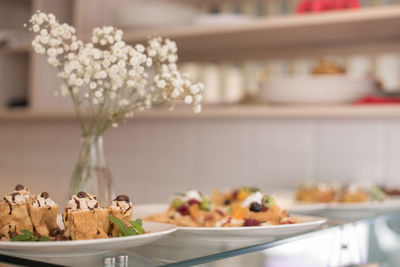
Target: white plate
[
  {"x": 87, "y": 247},
  {"x": 250, "y": 233},
  {"x": 222, "y": 234},
  {"x": 358, "y": 210},
  {"x": 341, "y": 210},
  {"x": 328, "y": 89}
]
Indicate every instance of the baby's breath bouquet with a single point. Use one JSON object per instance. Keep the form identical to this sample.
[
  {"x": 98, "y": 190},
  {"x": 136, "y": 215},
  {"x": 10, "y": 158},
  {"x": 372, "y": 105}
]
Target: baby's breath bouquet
[{"x": 108, "y": 81}]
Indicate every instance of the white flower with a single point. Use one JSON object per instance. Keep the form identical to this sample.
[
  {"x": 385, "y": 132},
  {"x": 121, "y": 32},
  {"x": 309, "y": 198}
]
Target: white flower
[
  {"x": 79, "y": 82},
  {"x": 172, "y": 58},
  {"x": 152, "y": 53},
  {"x": 149, "y": 62},
  {"x": 35, "y": 28},
  {"x": 194, "y": 89},
  {"x": 114, "y": 69},
  {"x": 130, "y": 83},
  {"x": 98, "y": 94},
  {"x": 161, "y": 84},
  {"x": 110, "y": 72},
  {"x": 53, "y": 61},
  {"x": 188, "y": 99},
  {"x": 93, "y": 85}
]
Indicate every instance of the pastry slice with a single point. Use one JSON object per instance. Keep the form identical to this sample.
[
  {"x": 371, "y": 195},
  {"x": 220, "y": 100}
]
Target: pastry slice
[
  {"x": 43, "y": 212},
  {"x": 122, "y": 209},
  {"x": 84, "y": 218},
  {"x": 14, "y": 215}
]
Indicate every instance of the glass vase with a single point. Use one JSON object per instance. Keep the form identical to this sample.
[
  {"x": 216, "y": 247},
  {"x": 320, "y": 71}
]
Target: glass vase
[{"x": 91, "y": 173}]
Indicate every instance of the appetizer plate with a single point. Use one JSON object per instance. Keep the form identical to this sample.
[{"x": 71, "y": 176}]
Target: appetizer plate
[
  {"x": 87, "y": 247},
  {"x": 250, "y": 233},
  {"x": 356, "y": 210},
  {"x": 222, "y": 234}
]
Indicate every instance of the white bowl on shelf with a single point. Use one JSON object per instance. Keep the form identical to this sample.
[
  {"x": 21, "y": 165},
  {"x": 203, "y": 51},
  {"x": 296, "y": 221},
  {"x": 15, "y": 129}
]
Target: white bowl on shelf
[{"x": 327, "y": 89}]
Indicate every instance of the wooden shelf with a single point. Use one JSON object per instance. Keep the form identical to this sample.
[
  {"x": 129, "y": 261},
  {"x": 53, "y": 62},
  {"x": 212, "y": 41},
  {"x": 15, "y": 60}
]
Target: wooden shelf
[
  {"x": 232, "y": 112},
  {"x": 284, "y": 35}
]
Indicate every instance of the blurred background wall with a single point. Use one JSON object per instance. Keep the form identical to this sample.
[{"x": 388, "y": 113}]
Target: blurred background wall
[{"x": 39, "y": 138}]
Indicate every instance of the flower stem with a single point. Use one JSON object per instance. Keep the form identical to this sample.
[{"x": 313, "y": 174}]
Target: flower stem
[{"x": 77, "y": 111}]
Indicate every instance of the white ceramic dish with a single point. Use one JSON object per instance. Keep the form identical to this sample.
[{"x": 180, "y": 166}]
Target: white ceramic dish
[
  {"x": 222, "y": 234},
  {"x": 356, "y": 210},
  {"x": 342, "y": 210},
  {"x": 87, "y": 247},
  {"x": 336, "y": 89},
  {"x": 219, "y": 234}
]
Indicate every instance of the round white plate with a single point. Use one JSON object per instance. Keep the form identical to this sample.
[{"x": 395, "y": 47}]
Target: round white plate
[
  {"x": 321, "y": 89},
  {"x": 87, "y": 247},
  {"x": 356, "y": 210},
  {"x": 250, "y": 233},
  {"x": 222, "y": 234}
]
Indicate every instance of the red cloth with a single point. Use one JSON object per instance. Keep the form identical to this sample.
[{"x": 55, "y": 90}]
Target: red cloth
[
  {"x": 373, "y": 99},
  {"x": 306, "y": 6}
]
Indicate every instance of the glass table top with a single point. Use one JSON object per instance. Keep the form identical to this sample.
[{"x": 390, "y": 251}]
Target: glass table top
[{"x": 174, "y": 251}]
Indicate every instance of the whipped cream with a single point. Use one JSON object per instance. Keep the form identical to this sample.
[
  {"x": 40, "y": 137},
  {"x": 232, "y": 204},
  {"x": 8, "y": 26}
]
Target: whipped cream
[
  {"x": 192, "y": 194},
  {"x": 43, "y": 201},
  {"x": 121, "y": 205},
  {"x": 254, "y": 197},
  {"x": 15, "y": 198},
  {"x": 20, "y": 195},
  {"x": 83, "y": 201}
]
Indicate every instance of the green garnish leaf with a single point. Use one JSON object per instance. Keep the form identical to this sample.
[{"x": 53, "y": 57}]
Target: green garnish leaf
[
  {"x": 137, "y": 224},
  {"x": 130, "y": 231},
  {"x": 124, "y": 230},
  {"x": 29, "y": 236}
]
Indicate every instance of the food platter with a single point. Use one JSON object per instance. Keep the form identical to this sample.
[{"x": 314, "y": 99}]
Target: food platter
[{"x": 87, "y": 247}]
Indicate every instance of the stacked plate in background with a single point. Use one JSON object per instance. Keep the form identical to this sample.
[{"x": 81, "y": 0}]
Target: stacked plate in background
[{"x": 327, "y": 89}]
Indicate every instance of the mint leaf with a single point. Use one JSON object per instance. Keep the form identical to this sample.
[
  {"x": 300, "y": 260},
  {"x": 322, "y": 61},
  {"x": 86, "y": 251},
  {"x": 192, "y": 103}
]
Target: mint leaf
[
  {"x": 29, "y": 236},
  {"x": 120, "y": 224},
  {"x": 124, "y": 230},
  {"x": 137, "y": 224},
  {"x": 130, "y": 231}
]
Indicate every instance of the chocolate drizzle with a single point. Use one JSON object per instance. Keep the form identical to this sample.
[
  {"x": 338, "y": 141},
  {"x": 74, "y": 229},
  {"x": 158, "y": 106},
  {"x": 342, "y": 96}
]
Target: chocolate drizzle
[
  {"x": 13, "y": 195},
  {"x": 78, "y": 203},
  {"x": 127, "y": 209},
  {"x": 9, "y": 205}
]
